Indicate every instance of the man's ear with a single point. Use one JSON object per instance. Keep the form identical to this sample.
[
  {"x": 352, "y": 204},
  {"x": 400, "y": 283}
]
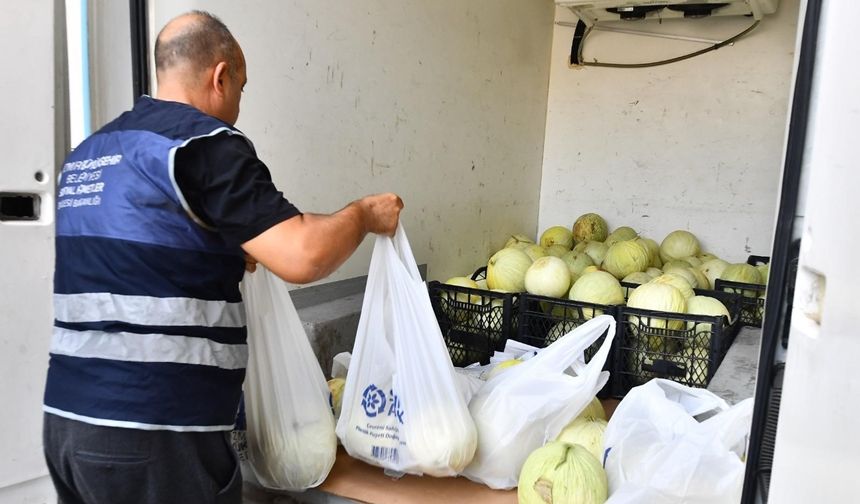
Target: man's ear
[{"x": 219, "y": 76}]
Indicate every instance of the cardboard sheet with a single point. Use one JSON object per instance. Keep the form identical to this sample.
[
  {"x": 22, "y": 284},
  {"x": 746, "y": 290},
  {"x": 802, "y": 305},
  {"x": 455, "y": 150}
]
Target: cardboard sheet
[
  {"x": 355, "y": 480},
  {"x": 361, "y": 482}
]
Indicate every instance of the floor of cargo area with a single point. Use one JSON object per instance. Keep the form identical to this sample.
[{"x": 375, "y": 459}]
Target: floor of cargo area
[{"x": 353, "y": 481}]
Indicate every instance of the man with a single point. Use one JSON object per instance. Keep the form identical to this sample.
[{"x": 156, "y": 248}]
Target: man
[{"x": 156, "y": 213}]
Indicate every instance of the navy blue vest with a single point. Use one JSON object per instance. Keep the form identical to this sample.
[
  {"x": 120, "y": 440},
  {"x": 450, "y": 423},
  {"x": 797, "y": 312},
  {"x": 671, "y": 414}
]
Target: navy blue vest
[{"x": 149, "y": 327}]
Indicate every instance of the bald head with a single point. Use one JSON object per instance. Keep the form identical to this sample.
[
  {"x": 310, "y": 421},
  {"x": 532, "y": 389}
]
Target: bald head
[
  {"x": 193, "y": 42},
  {"x": 198, "y": 62}
]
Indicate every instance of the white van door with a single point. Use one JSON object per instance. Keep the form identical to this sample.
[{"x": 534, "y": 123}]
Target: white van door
[
  {"x": 32, "y": 133},
  {"x": 816, "y": 454}
]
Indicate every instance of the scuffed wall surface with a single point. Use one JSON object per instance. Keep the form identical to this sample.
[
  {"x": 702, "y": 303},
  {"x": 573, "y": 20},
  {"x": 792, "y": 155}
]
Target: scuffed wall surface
[
  {"x": 693, "y": 145},
  {"x": 443, "y": 102}
]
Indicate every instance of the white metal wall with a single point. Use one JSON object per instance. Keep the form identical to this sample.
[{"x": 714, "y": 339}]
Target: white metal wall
[
  {"x": 692, "y": 145},
  {"x": 29, "y": 102},
  {"x": 816, "y": 446},
  {"x": 443, "y": 102}
]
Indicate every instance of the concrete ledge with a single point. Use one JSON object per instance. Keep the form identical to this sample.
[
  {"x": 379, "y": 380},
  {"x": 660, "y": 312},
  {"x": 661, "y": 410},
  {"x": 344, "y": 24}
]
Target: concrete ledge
[{"x": 735, "y": 379}]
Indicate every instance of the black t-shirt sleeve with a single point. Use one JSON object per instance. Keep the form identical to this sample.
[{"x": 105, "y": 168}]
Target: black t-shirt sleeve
[{"x": 229, "y": 188}]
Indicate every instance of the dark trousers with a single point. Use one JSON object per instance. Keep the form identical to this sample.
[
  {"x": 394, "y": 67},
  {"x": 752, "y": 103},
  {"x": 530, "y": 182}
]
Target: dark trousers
[{"x": 91, "y": 464}]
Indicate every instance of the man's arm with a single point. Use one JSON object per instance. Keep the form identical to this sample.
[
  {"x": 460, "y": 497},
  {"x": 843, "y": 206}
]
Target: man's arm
[{"x": 309, "y": 247}]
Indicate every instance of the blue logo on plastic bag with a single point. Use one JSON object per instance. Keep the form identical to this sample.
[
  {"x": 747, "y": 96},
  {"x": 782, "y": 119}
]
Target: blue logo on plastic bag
[
  {"x": 373, "y": 400},
  {"x": 396, "y": 408}
]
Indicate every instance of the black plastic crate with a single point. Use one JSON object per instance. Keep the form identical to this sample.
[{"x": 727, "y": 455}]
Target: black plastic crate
[
  {"x": 474, "y": 322},
  {"x": 542, "y": 320},
  {"x": 752, "y": 300},
  {"x": 682, "y": 347},
  {"x": 755, "y": 260},
  {"x": 480, "y": 274},
  {"x": 732, "y": 301}
]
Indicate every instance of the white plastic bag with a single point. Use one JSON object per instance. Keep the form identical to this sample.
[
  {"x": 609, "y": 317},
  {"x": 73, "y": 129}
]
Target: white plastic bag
[
  {"x": 291, "y": 439},
  {"x": 340, "y": 365},
  {"x": 657, "y": 452},
  {"x": 519, "y": 410},
  {"x": 518, "y": 350},
  {"x": 479, "y": 373},
  {"x": 403, "y": 407}
]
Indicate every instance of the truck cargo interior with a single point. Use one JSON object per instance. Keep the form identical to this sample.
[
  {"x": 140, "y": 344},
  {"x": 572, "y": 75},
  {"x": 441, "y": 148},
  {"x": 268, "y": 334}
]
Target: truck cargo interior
[{"x": 681, "y": 171}]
